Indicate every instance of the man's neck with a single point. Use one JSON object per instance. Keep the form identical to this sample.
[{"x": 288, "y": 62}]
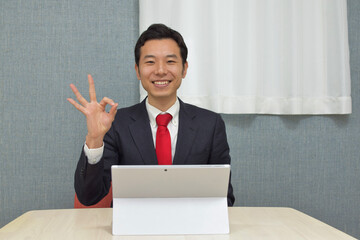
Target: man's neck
[{"x": 162, "y": 104}]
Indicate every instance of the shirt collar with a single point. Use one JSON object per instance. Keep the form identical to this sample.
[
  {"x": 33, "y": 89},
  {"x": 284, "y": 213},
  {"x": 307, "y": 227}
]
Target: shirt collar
[{"x": 153, "y": 112}]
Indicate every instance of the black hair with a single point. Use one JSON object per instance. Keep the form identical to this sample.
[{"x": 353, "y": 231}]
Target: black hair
[{"x": 160, "y": 31}]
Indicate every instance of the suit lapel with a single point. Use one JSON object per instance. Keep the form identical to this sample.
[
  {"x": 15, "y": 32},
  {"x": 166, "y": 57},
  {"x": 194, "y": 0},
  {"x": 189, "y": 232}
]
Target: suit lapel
[
  {"x": 141, "y": 133},
  {"x": 186, "y": 134}
]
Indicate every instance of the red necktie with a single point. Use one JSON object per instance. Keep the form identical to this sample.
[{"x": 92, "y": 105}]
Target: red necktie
[{"x": 163, "y": 141}]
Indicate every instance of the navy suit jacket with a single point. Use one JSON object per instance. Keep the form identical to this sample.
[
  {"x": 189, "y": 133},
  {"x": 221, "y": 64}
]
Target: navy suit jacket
[{"x": 201, "y": 140}]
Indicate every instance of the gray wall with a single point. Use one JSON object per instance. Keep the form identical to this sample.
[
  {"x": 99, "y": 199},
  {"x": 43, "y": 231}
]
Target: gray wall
[{"x": 310, "y": 163}]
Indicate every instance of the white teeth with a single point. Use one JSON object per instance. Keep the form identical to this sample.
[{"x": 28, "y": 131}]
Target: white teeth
[{"x": 161, "y": 82}]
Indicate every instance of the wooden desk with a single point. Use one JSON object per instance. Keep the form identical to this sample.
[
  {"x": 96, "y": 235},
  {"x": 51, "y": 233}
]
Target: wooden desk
[{"x": 245, "y": 223}]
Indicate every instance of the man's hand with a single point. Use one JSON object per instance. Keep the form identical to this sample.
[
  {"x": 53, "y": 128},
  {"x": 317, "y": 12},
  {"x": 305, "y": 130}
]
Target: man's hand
[{"x": 97, "y": 119}]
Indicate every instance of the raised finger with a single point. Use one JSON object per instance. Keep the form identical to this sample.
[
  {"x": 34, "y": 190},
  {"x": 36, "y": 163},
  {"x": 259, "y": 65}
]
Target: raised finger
[
  {"x": 76, "y": 105},
  {"x": 79, "y": 97},
  {"x": 92, "y": 92}
]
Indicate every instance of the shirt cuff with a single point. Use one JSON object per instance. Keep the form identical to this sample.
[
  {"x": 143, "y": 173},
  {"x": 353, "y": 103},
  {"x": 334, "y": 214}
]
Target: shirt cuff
[{"x": 93, "y": 155}]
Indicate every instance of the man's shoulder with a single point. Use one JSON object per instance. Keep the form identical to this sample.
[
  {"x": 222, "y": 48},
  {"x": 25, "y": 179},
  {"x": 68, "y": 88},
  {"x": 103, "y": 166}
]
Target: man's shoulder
[
  {"x": 204, "y": 117},
  {"x": 132, "y": 108},
  {"x": 196, "y": 110},
  {"x": 131, "y": 112}
]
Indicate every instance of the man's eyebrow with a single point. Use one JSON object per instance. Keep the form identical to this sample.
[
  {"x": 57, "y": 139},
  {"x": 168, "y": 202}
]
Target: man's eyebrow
[{"x": 169, "y": 56}]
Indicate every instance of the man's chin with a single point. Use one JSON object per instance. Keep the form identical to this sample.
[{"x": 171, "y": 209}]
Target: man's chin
[{"x": 162, "y": 96}]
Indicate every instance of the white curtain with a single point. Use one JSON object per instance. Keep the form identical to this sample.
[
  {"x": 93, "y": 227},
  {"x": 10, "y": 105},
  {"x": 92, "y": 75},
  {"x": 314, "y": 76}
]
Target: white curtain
[{"x": 261, "y": 56}]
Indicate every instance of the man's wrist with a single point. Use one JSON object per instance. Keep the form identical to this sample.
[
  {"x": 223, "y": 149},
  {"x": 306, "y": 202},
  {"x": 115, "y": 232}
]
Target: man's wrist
[{"x": 94, "y": 142}]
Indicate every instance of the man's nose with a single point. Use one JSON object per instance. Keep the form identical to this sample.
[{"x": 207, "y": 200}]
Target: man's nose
[{"x": 161, "y": 68}]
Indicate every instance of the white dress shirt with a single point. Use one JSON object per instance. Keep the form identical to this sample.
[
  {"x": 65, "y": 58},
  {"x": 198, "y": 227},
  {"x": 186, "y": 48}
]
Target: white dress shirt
[{"x": 94, "y": 155}]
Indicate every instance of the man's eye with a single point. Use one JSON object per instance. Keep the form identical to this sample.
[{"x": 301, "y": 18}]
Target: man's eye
[
  {"x": 171, "y": 61},
  {"x": 149, "y": 62}
]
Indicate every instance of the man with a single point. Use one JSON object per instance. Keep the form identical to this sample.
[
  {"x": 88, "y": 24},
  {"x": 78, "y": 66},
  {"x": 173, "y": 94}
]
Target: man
[{"x": 129, "y": 136}]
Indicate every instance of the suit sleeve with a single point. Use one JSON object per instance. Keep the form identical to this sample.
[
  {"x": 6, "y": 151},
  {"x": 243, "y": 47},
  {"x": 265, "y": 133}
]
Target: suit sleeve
[
  {"x": 220, "y": 153},
  {"x": 92, "y": 181}
]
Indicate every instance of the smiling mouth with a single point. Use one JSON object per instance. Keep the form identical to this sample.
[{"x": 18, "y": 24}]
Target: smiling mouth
[{"x": 161, "y": 83}]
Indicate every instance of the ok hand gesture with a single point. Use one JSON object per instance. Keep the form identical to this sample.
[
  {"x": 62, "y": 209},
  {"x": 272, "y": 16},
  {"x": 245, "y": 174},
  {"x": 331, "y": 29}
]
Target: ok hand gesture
[{"x": 97, "y": 119}]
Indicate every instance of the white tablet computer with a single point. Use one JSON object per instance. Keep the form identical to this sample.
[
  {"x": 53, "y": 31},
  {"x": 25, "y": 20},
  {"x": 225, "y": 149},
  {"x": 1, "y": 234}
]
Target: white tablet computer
[{"x": 171, "y": 199}]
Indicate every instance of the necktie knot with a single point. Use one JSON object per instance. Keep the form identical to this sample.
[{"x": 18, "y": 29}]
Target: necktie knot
[{"x": 163, "y": 119}]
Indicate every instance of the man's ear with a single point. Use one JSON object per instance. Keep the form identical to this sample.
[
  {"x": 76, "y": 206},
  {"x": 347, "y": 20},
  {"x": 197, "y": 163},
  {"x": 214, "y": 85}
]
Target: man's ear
[
  {"x": 185, "y": 67},
  {"x": 137, "y": 70}
]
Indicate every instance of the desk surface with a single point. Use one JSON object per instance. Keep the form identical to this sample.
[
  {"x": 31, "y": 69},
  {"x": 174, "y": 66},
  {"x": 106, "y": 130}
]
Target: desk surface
[{"x": 245, "y": 223}]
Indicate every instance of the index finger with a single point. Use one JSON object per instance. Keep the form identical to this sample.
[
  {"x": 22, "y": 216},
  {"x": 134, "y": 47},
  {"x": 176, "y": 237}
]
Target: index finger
[
  {"x": 92, "y": 92},
  {"x": 79, "y": 97}
]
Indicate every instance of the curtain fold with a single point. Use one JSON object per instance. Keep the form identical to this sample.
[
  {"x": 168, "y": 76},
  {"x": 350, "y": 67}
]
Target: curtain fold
[{"x": 261, "y": 56}]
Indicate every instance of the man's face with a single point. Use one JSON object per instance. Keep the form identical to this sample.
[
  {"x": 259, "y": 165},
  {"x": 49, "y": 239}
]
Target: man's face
[{"x": 161, "y": 70}]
